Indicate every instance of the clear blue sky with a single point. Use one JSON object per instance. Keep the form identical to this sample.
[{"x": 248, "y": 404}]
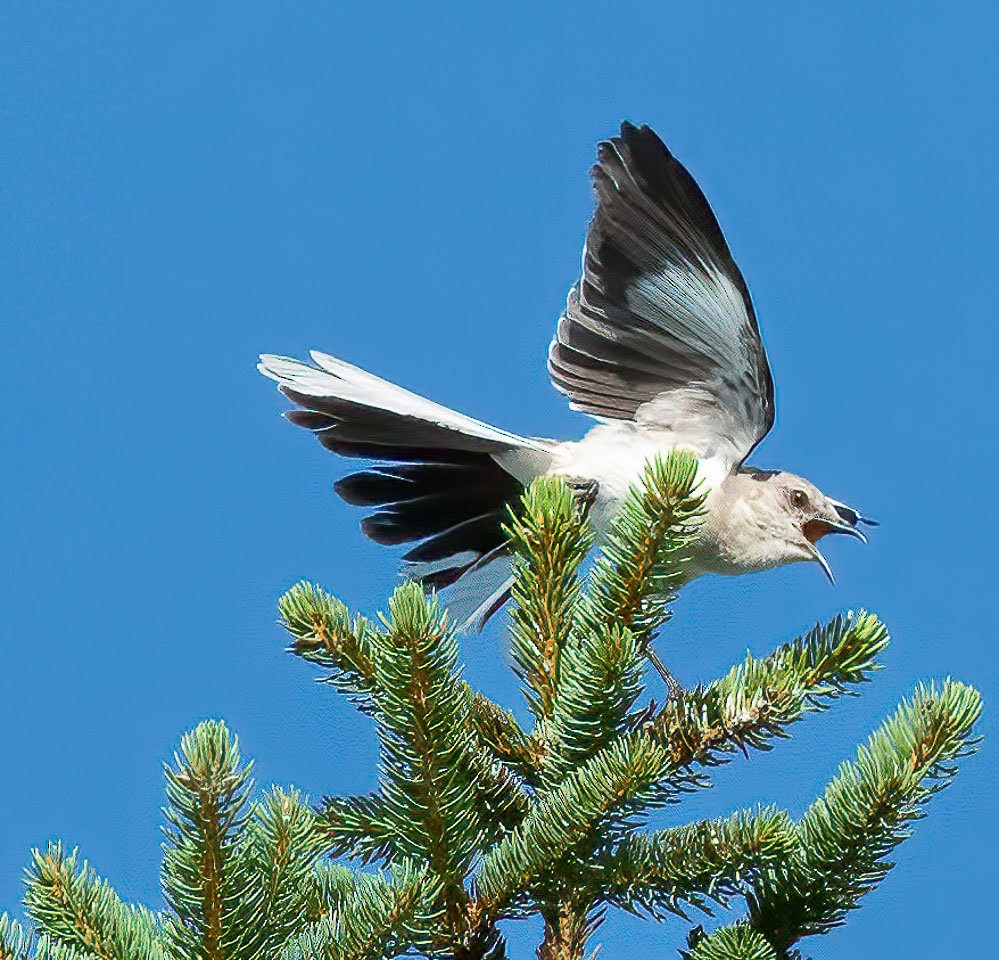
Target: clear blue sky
[{"x": 405, "y": 187}]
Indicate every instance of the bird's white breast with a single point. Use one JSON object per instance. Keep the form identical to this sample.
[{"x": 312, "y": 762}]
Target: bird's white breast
[{"x": 614, "y": 454}]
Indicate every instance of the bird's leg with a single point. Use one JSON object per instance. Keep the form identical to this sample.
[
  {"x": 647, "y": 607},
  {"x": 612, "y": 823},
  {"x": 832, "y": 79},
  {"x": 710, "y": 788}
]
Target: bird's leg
[{"x": 673, "y": 689}]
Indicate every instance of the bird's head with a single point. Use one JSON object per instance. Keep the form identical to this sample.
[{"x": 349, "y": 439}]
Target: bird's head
[{"x": 791, "y": 515}]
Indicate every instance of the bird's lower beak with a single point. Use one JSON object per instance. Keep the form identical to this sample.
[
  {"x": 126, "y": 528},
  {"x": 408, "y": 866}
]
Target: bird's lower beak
[{"x": 822, "y": 562}]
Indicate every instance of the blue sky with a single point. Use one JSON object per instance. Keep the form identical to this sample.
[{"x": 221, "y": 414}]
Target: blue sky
[{"x": 405, "y": 186}]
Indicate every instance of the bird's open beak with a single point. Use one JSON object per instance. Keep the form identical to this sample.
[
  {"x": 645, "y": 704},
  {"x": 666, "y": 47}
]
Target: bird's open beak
[
  {"x": 818, "y": 527},
  {"x": 815, "y": 529}
]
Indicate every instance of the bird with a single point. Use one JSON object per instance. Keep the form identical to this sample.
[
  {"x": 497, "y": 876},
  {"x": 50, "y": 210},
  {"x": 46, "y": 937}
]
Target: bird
[{"x": 659, "y": 342}]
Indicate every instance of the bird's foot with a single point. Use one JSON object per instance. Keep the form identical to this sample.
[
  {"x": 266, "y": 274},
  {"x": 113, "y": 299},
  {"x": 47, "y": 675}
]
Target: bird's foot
[{"x": 584, "y": 491}]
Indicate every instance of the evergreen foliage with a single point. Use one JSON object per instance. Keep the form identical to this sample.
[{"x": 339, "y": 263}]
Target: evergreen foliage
[{"x": 477, "y": 820}]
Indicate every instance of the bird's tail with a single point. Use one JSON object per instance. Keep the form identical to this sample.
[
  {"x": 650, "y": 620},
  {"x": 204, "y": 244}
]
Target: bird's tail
[{"x": 442, "y": 480}]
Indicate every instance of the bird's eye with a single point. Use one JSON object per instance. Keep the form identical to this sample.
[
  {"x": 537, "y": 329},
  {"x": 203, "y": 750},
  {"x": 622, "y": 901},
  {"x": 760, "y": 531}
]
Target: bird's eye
[{"x": 799, "y": 498}]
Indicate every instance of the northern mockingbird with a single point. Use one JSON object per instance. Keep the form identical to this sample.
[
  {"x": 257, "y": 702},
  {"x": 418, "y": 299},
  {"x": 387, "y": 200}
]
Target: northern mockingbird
[{"x": 658, "y": 341}]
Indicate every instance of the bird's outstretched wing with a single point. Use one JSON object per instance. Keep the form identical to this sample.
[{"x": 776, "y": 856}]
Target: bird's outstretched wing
[{"x": 660, "y": 328}]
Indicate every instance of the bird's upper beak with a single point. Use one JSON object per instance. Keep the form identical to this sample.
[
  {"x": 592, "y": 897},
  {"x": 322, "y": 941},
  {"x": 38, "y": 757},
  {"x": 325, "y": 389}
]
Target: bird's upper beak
[
  {"x": 839, "y": 519},
  {"x": 816, "y": 528}
]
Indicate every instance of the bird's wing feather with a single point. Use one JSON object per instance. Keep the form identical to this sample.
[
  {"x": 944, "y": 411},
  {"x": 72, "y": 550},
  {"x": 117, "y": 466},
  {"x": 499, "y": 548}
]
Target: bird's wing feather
[{"x": 660, "y": 328}]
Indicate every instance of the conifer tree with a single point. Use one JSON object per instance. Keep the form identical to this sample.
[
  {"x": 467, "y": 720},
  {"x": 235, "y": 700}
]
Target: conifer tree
[{"x": 478, "y": 820}]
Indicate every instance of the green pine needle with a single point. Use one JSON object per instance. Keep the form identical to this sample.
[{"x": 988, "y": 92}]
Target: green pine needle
[
  {"x": 549, "y": 542},
  {"x": 600, "y": 681},
  {"x": 615, "y": 781},
  {"x": 846, "y": 836},
  {"x": 76, "y": 909},
  {"x": 498, "y": 731},
  {"x": 758, "y": 699},
  {"x": 710, "y": 860},
  {"x": 378, "y": 919},
  {"x": 322, "y": 632},
  {"x": 359, "y": 827},
  {"x": 15, "y": 942},
  {"x": 207, "y": 864},
  {"x": 285, "y": 844},
  {"x": 735, "y": 942},
  {"x": 423, "y": 723}
]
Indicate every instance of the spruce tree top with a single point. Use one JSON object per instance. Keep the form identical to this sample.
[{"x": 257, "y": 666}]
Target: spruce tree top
[{"x": 478, "y": 821}]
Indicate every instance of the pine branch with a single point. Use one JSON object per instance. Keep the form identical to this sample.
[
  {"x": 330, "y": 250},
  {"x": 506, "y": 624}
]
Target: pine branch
[
  {"x": 363, "y": 827},
  {"x": 498, "y": 731},
  {"x": 329, "y": 887},
  {"x": 359, "y": 827},
  {"x": 710, "y": 860},
  {"x": 15, "y": 943},
  {"x": 285, "y": 844},
  {"x": 207, "y": 870},
  {"x": 322, "y": 633},
  {"x": 479, "y": 940},
  {"x": 504, "y": 760},
  {"x": 500, "y": 798},
  {"x": 423, "y": 720},
  {"x": 752, "y": 704},
  {"x": 642, "y": 561},
  {"x": 549, "y": 542},
  {"x": 758, "y": 699},
  {"x": 379, "y": 919},
  {"x": 74, "y": 907},
  {"x": 735, "y": 942},
  {"x": 627, "y": 597},
  {"x": 616, "y": 781},
  {"x": 600, "y": 680},
  {"x": 48, "y": 949},
  {"x": 846, "y": 836}
]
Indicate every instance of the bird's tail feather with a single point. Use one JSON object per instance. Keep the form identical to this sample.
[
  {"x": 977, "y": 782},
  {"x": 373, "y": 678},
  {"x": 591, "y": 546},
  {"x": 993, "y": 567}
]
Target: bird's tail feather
[
  {"x": 480, "y": 593},
  {"x": 444, "y": 480}
]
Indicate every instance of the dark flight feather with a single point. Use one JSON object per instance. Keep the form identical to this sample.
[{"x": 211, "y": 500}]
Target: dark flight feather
[{"x": 661, "y": 304}]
